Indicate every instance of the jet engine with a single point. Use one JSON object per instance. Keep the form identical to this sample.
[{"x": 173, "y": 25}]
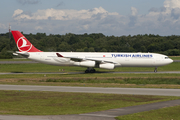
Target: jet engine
[
  {"x": 86, "y": 63},
  {"x": 107, "y": 66}
]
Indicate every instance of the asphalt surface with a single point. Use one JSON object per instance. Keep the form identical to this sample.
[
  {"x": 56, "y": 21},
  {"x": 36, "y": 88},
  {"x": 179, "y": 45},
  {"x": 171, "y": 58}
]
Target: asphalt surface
[
  {"x": 134, "y": 109},
  {"x": 132, "y": 91},
  {"x": 176, "y": 60}
]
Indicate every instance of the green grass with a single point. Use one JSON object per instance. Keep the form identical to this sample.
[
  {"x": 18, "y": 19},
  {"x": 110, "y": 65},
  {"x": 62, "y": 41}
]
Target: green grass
[
  {"x": 153, "y": 80},
  {"x": 15, "y": 59},
  {"x": 34, "y": 67},
  {"x": 170, "y": 113},
  {"x": 57, "y": 103},
  {"x": 121, "y": 80}
]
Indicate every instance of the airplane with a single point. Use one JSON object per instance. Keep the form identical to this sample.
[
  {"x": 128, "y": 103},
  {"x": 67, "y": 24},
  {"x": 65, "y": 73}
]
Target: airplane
[{"x": 91, "y": 60}]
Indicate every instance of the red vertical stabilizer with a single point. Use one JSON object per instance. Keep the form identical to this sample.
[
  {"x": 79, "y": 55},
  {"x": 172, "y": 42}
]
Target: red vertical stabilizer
[{"x": 22, "y": 43}]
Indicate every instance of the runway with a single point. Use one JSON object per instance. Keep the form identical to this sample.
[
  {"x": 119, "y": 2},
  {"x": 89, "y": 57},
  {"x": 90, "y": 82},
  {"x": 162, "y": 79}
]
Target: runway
[{"x": 132, "y": 91}]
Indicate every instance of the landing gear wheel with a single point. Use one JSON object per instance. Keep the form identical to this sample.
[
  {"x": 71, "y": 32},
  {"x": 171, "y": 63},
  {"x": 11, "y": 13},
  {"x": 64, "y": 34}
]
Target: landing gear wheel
[
  {"x": 155, "y": 70},
  {"x": 86, "y": 71},
  {"x": 90, "y": 70}
]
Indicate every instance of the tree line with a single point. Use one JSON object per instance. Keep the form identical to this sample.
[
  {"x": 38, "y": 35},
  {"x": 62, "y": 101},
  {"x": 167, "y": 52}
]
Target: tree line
[{"x": 95, "y": 42}]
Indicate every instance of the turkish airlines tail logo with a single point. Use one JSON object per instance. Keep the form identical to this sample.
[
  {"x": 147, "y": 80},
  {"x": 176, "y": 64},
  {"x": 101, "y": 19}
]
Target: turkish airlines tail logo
[{"x": 22, "y": 43}]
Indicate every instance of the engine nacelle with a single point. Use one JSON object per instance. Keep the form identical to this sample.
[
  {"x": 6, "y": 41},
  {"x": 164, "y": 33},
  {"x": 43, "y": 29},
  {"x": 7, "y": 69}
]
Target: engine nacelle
[
  {"x": 107, "y": 66},
  {"x": 86, "y": 63}
]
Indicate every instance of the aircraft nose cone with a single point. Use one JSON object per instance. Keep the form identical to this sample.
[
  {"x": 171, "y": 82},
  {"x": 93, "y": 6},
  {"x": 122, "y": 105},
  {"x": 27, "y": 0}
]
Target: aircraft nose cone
[{"x": 170, "y": 61}]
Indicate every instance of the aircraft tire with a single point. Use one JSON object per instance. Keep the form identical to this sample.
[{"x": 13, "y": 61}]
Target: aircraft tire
[
  {"x": 86, "y": 71},
  {"x": 92, "y": 71},
  {"x": 155, "y": 70}
]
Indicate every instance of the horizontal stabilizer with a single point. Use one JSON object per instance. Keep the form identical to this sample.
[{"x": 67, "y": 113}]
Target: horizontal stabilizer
[{"x": 24, "y": 54}]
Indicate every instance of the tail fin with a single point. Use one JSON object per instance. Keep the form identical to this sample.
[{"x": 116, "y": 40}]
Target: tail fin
[{"x": 22, "y": 43}]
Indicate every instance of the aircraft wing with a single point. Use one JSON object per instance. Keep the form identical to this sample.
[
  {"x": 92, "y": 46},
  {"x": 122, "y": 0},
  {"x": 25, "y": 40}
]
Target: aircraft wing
[{"x": 82, "y": 59}]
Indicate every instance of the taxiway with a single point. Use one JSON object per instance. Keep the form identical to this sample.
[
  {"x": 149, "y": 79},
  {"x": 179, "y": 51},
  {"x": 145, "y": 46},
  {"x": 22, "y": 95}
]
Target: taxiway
[{"x": 132, "y": 91}]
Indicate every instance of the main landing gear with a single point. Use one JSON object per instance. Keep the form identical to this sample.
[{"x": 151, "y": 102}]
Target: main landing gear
[
  {"x": 90, "y": 70},
  {"x": 155, "y": 70}
]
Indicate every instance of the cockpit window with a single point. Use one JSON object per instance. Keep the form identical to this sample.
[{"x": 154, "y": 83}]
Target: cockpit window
[{"x": 166, "y": 57}]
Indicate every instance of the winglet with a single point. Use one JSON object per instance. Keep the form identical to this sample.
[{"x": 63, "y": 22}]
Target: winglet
[{"x": 59, "y": 55}]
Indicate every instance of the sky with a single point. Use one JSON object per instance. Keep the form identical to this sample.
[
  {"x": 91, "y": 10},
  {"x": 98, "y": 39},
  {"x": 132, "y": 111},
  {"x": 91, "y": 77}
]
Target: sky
[{"x": 110, "y": 17}]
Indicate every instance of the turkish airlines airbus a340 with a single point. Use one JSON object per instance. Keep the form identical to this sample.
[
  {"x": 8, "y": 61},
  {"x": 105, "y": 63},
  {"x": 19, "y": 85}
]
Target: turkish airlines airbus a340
[{"x": 91, "y": 60}]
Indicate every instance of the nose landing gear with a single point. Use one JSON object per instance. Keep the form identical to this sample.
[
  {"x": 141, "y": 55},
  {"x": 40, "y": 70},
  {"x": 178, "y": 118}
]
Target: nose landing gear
[{"x": 155, "y": 70}]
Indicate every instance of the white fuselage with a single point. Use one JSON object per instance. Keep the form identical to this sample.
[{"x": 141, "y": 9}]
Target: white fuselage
[{"x": 120, "y": 59}]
